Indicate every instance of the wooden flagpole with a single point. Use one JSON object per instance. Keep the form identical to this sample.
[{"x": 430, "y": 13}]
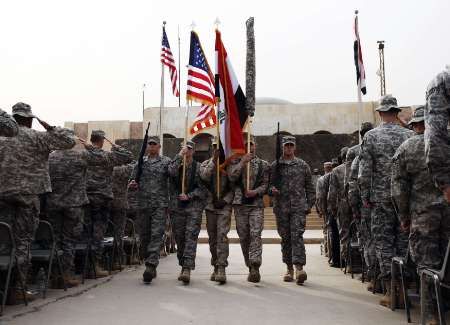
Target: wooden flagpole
[
  {"x": 183, "y": 179},
  {"x": 249, "y": 130},
  {"x": 217, "y": 23}
]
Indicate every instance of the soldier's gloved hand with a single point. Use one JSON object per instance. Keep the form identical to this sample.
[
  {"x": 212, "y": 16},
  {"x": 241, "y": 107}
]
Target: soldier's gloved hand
[
  {"x": 183, "y": 151},
  {"x": 183, "y": 197},
  {"x": 247, "y": 158},
  {"x": 250, "y": 193},
  {"x": 404, "y": 225},
  {"x": 275, "y": 191},
  {"x": 133, "y": 185},
  {"x": 88, "y": 146}
]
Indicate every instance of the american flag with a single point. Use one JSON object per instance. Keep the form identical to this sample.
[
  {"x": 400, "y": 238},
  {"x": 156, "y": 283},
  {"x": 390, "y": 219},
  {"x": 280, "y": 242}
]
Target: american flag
[
  {"x": 200, "y": 87},
  {"x": 168, "y": 60},
  {"x": 200, "y": 84}
]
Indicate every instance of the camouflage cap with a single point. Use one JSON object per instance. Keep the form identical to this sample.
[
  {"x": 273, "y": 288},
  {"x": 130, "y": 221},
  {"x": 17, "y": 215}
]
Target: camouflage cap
[
  {"x": 153, "y": 139},
  {"x": 418, "y": 116},
  {"x": 98, "y": 133},
  {"x": 387, "y": 103},
  {"x": 22, "y": 109},
  {"x": 190, "y": 144},
  {"x": 328, "y": 164},
  {"x": 288, "y": 139}
]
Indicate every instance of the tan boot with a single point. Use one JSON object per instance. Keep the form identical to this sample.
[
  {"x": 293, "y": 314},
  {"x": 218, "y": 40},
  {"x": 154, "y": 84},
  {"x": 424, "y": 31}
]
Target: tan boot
[
  {"x": 71, "y": 281},
  {"x": 386, "y": 299},
  {"x": 289, "y": 276},
  {"x": 432, "y": 320},
  {"x": 370, "y": 285},
  {"x": 100, "y": 272},
  {"x": 253, "y": 275},
  {"x": 179, "y": 276},
  {"x": 213, "y": 274},
  {"x": 300, "y": 274},
  {"x": 221, "y": 276},
  {"x": 185, "y": 275}
]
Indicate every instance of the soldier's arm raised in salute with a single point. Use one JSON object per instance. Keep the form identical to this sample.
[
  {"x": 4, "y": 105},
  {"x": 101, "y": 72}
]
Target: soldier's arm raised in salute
[
  {"x": 56, "y": 138},
  {"x": 119, "y": 155}
]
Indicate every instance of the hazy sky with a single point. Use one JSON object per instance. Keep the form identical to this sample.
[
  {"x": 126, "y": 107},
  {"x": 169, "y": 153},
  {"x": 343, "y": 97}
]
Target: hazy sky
[{"x": 87, "y": 60}]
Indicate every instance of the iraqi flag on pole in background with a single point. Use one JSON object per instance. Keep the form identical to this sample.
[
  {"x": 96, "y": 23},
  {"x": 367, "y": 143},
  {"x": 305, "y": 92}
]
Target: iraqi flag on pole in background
[
  {"x": 359, "y": 64},
  {"x": 232, "y": 114}
]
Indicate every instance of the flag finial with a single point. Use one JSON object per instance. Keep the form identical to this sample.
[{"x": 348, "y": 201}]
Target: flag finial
[
  {"x": 217, "y": 23},
  {"x": 164, "y": 23},
  {"x": 193, "y": 25},
  {"x": 356, "y": 11}
]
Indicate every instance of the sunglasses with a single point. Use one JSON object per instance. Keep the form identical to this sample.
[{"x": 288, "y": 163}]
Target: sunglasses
[{"x": 289, "y": 145}]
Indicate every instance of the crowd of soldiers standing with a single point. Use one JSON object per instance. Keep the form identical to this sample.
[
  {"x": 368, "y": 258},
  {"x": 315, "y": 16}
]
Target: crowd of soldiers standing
[
  {"x": 395, "y": 187},
  {"x": 392, "y": 192}
]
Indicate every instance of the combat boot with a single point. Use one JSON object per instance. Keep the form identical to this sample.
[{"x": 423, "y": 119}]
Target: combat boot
[
  {"x": 221, "y": 277},
  {"x": 15, "y": 296},
  {"x": 289, "y": 276},
  {"x": 149, "y": 274},
  {"x": 253, "y": 275},
  {"x": 213, "y": 274},
  {"x": 386, "y": 299},
  {"x": 185, "y": 275},
  {"x": 370, "y": 285},
  {"x": 181, "y": 273},
  {"x": 100, "y": 272},
  {"x": 300, "y": 274}
]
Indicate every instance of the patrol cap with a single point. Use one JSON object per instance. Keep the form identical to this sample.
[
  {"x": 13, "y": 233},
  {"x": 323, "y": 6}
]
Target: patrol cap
[
  {"x": 327, "y": 164},
  {"x": 153, "y": 140},
  {"x": 418, "y": 116},
  {"x": 22, "y": 109},
  {"x": 98, "y": 133},
  {"x": 190, "y": 144},
  {"x": 288, "y": 139},
  {"x": 387, "y": 103}
]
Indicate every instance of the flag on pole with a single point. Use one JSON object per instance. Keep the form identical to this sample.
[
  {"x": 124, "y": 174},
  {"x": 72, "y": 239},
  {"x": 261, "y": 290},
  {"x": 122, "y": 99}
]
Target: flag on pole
[
  {"x": 359, "y": 64},
  {"x": 200, "y": 85},
  {"x": 168, "y": 60},
  {"x": 205, "y": 119},
  {"x": 231, "y": 104}
]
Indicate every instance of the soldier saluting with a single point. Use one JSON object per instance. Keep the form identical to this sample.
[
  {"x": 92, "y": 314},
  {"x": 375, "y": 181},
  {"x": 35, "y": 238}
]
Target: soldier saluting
[{"x": 294, "y": 196}]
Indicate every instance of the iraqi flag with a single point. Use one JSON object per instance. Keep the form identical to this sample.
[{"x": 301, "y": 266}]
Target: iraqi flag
[
  {"x": 231, "y": 111},
  {"x": 359, "y": 64}
]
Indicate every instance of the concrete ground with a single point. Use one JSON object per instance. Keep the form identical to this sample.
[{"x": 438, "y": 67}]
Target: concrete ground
[{"x": 328, "y": 297}]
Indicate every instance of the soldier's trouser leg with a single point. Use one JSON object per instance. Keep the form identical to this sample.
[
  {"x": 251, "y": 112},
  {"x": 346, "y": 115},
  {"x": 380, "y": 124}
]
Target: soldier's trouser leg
[
  {"x": 291, "y": 226},
  {"x": 179, "y": 220},
  {"x": 23, "y": 218},
  {"x": 218, "y": 223},
  {"x": 187, "y": 224},
  {"x": 389, "y": 240},
  {"x": 97, "y": 216},
  {"x": 67, "y": 227},
  {"x": 153, "y": 221},
  {"x": 118, "y": 217},
  {"x": 333, "y": 235},
  {"x": 429, "y": 236},
  {"x": 344, "y": 220},
  {"x": 249, "y": 226}
]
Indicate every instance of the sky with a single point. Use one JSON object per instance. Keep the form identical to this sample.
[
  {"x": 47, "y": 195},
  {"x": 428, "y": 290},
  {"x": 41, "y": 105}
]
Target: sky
[{"x": 87, "y": 60}]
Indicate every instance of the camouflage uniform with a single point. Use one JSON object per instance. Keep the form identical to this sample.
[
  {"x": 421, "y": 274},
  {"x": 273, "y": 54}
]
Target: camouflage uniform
[
  {"x": 65, "y": 204},
  {"x": 218, "y": 220},
  {"x": 153, "y": 199},
  {"x": 296, "y": 198},
  {"x": 119, "y": 204},
  {"x": 8, "y": 126},
  {"x": 374, "y": 177},
  {"x": 250, "y": 215},
  {"x": 437, "y": 138},
  {"x": 186, "y": 217},
  {"x": 338, "y": 206},
  {"x": 24, "y": 175},
  {"x": 99, "y": 189}
]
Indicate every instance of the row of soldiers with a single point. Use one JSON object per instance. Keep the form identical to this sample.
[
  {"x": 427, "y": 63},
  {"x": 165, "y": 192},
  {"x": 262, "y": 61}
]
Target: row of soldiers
[{"x": 395, "y": 187}]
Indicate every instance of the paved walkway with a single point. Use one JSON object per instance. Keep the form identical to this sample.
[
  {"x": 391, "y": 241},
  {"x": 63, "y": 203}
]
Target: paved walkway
[{"x": 328, "y": 297}]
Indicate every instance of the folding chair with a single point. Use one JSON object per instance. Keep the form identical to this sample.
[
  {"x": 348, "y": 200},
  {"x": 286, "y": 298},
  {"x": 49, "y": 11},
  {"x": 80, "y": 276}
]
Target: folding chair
[
  {"x": 130, "y": 242},
  {"x": 43, "y": 251},
  {"x": 352, "y": 247},
  {"x": 110, "y": 247},
  {"x": 83, "y": 249},
  {"x": 8, "y": 261},
  {"x": 402, "y": 264},
  {"x": 441, "y": 278}
]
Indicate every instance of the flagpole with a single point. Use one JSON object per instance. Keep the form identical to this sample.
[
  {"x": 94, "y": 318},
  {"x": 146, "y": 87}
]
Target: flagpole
[
  {"x": 183, "y": 178},
  {"x": 161, "y": 105},
  {"x": 217, "y": 23},
  {"x": 249, "y": 130},
  {"x": 358, "y": 85}
]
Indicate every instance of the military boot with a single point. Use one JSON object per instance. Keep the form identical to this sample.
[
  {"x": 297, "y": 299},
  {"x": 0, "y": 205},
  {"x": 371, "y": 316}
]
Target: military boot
[
  {"x": 71, "y": 281},
  {"x": 181, "y": 273},
  {"x": 289, "y": 276},
  {"x": 300, "y": 274},
  {"x": 253, "y": 275},
  {"x": 15, "y": 296},
  {"x": 213, "y": 274},
  {"x": 149, "y": 273},
  {"x": 370, "y": 285},
  {"x": 386, "y": 299},
  {"x": 100, "y": 272},
  {"x": 221, "y": 276},
  {"x": 185, "y": 275}
]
